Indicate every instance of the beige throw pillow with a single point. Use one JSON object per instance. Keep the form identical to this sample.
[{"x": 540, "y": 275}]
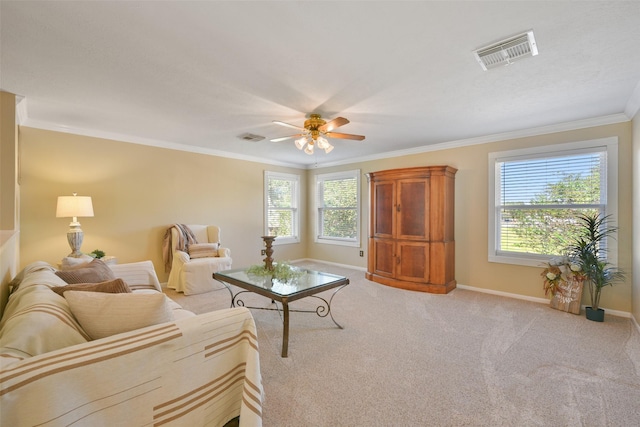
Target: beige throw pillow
[
  {"x": 102, "y": 314},
  {"x": 94, "y": 272},
  {"x": 116, "y": 286},
  {"x": 203, "y": 250}
]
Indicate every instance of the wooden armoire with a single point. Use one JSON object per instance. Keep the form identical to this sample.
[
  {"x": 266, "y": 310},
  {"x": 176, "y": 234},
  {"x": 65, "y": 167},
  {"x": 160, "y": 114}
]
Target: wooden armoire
[{"x": 411, "y": 240}]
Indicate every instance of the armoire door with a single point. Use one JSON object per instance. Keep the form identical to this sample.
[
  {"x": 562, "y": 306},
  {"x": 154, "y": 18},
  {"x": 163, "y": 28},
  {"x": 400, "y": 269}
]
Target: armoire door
[
  {"x": 383, "y": 255},
  {"x": 384, "y": 207},
  {"x": 412, "y": 261},
  {"x": 413, "y": 209}
]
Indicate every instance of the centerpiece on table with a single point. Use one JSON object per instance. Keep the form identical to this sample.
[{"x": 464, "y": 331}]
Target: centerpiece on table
[{"x": 280, "y": 271}]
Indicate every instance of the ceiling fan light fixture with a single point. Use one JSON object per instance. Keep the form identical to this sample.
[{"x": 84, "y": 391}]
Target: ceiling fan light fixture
[
  {"x": 322, "y": 143},
  {"x": 316, "y": 132},
  {"x": 328, "y": 148}
]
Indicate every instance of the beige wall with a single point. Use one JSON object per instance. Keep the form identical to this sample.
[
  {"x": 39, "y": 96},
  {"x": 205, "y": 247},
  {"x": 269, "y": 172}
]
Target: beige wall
[
  {"x": 138, "y": 191},
  {"x": 636, "y": 218},
  {"x": 471, "y": 211},
  {"x": 8, "y": 166},
  {"x": 9, "y": 195}
]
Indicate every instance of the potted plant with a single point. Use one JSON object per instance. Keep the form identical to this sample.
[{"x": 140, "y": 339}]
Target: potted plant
[
  {"x": 587, "y": 250},
  {"x": 97, "y": 253}
]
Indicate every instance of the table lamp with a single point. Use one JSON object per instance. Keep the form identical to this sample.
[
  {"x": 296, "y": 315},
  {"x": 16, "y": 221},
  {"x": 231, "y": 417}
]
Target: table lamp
[{"x": 74, "y": 206}]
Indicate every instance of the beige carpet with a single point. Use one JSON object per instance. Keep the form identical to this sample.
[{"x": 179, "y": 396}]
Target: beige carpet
[{"x": 463, "y": 359}]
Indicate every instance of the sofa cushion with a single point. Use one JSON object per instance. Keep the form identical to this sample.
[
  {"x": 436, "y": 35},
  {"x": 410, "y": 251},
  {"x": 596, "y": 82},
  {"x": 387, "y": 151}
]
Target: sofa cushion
[
  {"x": 70, "y": 262},
  {"x": 116, "y": 286},
  {"x": 138, "y": 275},
  {"x": 203, "y": 250},
  {"x": 102, "y": 314},
  {"x": 94, "y": 272},
  {"x": 36, "y": 320}
]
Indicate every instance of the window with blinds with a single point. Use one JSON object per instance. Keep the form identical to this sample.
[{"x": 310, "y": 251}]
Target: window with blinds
[
  {"x": 282, "y": 195},
  {"x": 338, "y": 208},
  {"x": 537, "y": 195}
]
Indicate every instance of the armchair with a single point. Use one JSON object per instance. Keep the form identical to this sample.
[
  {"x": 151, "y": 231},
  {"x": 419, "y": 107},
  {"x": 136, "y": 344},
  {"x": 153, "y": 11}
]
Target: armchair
[{"x": 192, "y": 268}]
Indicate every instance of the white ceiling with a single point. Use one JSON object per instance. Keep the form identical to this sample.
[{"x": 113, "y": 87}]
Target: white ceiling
[{"x": 198, "y": 75}]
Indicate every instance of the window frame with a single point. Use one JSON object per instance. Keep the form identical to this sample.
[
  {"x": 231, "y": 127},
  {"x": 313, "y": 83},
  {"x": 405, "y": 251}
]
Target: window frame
[
  {"x": 295, "y": 208},
  {"x": 318, "y": 181},
  {"x": 610, "y": 147}
]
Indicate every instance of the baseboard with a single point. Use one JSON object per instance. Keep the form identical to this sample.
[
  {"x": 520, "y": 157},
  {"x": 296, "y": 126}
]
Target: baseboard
[
  {"x": 612, "y": 312},
  {"x": 353, "y": 267},
  {"x": 635, "y": 322},
  {"x": 504, "y": 294}
]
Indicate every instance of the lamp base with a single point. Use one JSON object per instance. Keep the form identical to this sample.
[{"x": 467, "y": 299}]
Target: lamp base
[{"x": 75, "y": 236}]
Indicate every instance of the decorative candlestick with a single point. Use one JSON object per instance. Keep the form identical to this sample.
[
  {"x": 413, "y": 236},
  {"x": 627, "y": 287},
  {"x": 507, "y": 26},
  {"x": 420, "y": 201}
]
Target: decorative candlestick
[{"x": 268, "y": 261}]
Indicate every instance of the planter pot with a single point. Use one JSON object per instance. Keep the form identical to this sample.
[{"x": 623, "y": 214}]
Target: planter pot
[{"x": 595, "y": 315}]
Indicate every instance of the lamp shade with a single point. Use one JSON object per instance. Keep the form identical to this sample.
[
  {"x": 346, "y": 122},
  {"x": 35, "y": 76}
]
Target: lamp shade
[{"x": 74, "y": 206}]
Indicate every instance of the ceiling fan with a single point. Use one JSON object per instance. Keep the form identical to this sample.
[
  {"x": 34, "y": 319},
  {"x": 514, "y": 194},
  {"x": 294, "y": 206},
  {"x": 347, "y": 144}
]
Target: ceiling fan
[{"x": 315, "y": 133}]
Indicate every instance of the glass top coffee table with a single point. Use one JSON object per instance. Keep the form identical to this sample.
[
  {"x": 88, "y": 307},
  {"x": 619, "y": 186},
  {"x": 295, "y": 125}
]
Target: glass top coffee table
[{"x": 308, "y": 284}]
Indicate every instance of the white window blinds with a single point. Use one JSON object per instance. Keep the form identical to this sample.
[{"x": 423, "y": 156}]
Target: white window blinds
[
  {"x": 536, "y": 195},
  {"x": 282, "y": 198},
  {"x": 337, "y": 201}
]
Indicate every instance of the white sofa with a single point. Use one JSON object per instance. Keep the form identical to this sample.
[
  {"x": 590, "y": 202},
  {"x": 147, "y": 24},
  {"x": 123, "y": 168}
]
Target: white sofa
[
  {"x": 193, "y": 275},
  {"x": 194, "y": 370}
]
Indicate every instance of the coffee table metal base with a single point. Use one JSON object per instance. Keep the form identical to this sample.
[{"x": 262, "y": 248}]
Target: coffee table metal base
[
  {"x": 316, "y": 283},
  {"x": 323, "y": 310}
]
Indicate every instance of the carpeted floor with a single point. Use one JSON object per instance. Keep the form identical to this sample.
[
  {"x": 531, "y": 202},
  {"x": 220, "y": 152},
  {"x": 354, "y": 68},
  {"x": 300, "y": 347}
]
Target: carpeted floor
[{"x": 463, "y": 359}]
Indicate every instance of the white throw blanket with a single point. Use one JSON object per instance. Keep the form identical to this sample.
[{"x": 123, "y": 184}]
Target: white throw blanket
[
  {"x": 185, "y": 238},
  {"x": 195, "y": 371},
  {"x": 201, "y": 370}
]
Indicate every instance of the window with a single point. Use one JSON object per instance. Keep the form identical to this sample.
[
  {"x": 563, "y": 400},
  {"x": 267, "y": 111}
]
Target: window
[
  {"x": 535, "y": 195},
  {"x": 338, "y": 208},
  {"x": 282, "y": 216}
]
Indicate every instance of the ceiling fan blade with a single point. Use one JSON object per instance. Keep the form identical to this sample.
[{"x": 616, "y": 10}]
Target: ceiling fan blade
[
  {"x": 332, "y": 124},
  {"x": 284, "y": 138},
  {"x": 278, "y": 122},
  {"x": 345, "y": 136}
]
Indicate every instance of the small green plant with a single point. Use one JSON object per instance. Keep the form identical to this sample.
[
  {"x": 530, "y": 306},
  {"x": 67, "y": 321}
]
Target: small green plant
[
  {"x": 282, "y": 271},
  {"x": 97, "y": 253}
]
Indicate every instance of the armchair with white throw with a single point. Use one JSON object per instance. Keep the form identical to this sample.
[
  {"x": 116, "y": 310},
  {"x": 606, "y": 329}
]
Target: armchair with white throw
[{"x": 193, "y": 253}]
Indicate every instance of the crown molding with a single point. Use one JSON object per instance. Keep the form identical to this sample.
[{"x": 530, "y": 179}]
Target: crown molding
[
  {"x": 633, "y": 104},
  {"x": 21, "y": 110},
  {"x": 543, "y": 130},
  {"x": 561, "y": 127},
  {"x": 152, "y": 142}
]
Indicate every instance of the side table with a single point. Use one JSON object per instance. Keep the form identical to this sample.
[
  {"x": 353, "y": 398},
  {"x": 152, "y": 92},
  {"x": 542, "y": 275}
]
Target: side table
[{"x": 109, "y": 260}]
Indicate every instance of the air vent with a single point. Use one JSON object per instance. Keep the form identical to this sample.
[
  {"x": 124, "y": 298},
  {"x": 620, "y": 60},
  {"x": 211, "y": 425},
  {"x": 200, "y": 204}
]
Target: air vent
[
  {"x": 251, "y": 137},
  {"x": 507, "y": 51}
]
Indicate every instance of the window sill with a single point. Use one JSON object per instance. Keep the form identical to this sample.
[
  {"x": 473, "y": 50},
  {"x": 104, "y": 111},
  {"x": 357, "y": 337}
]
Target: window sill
[
  {"x": 528, "y": 260},
  {"x": 353, "y": 244},
  {"x": 285, "y": 241}
]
